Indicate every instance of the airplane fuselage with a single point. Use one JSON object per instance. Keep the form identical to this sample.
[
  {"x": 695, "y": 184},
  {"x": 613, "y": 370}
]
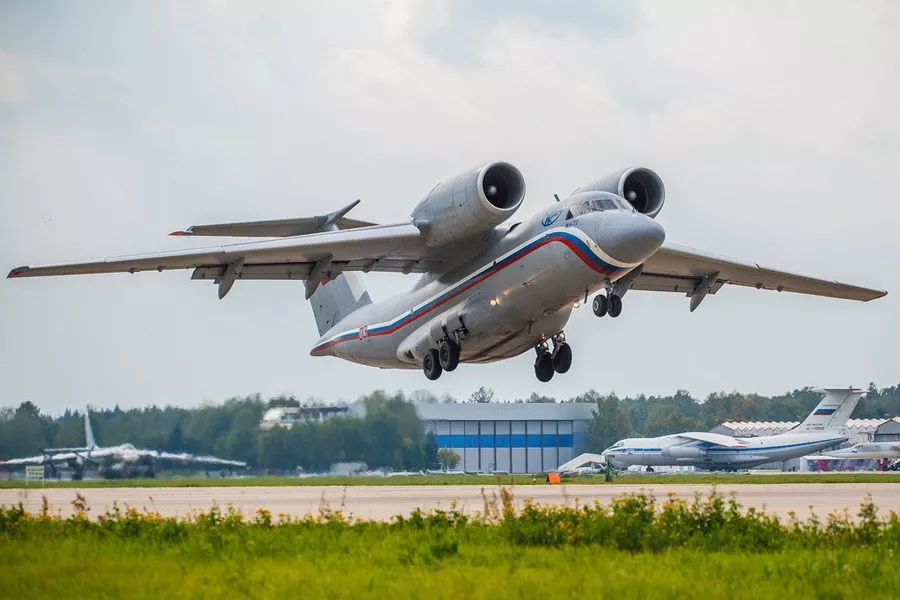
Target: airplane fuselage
[
  {"x": 671, "y": 450},
  {"x": 514, "y": 295},
  {"x": 876, "y": 450}
]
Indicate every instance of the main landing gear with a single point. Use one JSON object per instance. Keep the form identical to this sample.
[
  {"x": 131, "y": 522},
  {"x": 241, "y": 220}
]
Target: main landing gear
[
  {"x": 610, "y": 304},
  {"x": 548, "y": 362},
  {"x": 445, "y": 358}
]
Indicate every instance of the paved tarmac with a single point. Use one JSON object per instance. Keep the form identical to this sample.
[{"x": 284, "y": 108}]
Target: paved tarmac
[{"x": 383, "y": 502}]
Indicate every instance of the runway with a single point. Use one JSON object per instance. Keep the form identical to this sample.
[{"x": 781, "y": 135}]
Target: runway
[{"x": 383, "y": 502}]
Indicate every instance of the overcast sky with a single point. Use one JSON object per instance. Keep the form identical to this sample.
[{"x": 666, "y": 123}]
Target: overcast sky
[{"x": 774, "y": 126}]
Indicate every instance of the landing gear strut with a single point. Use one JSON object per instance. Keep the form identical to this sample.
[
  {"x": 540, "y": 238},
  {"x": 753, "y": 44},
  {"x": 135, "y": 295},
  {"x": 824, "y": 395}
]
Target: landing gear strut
[{"x": 562, "y": 354}]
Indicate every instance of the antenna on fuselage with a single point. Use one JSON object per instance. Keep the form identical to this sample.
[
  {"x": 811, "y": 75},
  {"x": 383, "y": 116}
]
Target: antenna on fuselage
[{"x": 557, "y": 197}]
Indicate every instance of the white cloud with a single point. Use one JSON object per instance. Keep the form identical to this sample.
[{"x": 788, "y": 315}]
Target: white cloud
[
  {"x": 12, "y": 83},
  {"x": 773, "y": 126}
]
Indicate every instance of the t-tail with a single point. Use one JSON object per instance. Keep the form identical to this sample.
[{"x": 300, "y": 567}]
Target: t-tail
[
  {"x": 89, "y": 440},
  {"x": 832, "y": 412},
  {"x": 332, "y": 300}
]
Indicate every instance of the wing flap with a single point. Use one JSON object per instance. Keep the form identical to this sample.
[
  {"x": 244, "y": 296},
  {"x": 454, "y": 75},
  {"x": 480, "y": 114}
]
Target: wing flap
[
  {"x": 301, "y": 271},
  {"x": 678, "y": 268},
  {"x": 364, "y": 245}
]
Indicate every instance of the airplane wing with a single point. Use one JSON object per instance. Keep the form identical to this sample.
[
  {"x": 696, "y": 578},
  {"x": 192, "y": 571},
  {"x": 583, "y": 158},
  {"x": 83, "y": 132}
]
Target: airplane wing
[
  {"x": 40, "y": 460},
  {"x": 716, "y": 439},
  {"x": 677, "y": 268},
  {"x": 31, "y": 460},
  {"x": 279, "y": 227},
  {"x": 385, "y": 248},
  {"x": 203, "y": 460}
]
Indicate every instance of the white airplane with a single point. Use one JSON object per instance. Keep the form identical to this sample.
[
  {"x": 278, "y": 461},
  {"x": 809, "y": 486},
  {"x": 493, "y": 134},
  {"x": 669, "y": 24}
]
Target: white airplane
[
  {"x": 489, "y": 291},
  {"x": 878, "y": 450},
  {"x": 823, "y": 428},
  {"x": 119, "y": 461}
]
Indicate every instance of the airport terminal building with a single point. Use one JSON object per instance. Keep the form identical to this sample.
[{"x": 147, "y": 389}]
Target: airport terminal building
[{"x": 505, "y": 437}]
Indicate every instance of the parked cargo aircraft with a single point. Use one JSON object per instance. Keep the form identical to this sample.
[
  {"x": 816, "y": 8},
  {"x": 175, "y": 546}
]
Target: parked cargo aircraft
[
  {"x": 878, "y": 450},
  {"x": 119, "y": 461},
  {"x": 489, "y": 291},
  {"x": 823, "y": 428}
]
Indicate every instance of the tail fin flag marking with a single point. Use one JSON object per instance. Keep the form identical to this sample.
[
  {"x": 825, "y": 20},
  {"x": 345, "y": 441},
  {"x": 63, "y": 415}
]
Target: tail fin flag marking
[{"x": 833, "y": 410}]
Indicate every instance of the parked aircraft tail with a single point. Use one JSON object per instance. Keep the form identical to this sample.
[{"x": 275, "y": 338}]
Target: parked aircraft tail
[
  {"x": 89, "y": 440},
  {"x": 832, "y": 412}
]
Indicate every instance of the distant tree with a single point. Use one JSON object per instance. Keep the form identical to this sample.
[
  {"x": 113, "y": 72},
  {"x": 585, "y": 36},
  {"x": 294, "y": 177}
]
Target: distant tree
[
  {"x": 448, "y": 458},
  {"x": 432, "y": 460},
  {"x": 482, "y": 395},
  {"x": 536, "y": 398},
  {"x": 609, "y": 424},
  {"x": 175, "y": 442},
  {"x": 664, "y": 419}
]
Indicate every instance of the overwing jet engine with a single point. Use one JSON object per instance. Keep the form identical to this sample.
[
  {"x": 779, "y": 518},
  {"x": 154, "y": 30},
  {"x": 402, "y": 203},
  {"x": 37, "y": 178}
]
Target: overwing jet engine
[
  {"x": 471, "y": 203},
  {"x": 641, "y": 187}
]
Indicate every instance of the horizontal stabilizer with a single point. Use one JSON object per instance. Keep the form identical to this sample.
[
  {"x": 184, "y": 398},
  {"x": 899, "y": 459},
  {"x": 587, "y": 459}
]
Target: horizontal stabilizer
[{"x": 279, "y": 227}]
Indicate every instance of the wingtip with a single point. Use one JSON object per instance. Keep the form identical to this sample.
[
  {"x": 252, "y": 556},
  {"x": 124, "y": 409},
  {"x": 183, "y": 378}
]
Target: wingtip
[
  {"x": 179, "y": 232},
  {"x": 16, "y": 272}
]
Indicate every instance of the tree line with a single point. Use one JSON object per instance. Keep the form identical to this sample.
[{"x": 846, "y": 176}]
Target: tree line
[{"x": 389, "y": 432}]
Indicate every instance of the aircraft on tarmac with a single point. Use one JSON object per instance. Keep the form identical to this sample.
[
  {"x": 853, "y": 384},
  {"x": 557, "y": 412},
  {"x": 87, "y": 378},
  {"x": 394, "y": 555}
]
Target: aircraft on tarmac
[
  {"x": 878, "y": 450},
  {"x": 823, "y": 428},
  {"x": 119, "y": 461},
  {"x": 489, "y": 291}
]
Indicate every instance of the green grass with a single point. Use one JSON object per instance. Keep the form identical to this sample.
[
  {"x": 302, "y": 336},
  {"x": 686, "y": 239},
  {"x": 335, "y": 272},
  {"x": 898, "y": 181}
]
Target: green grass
[
  {"x": 639, "y": 548},
  {"x": 636, "y": 479}
]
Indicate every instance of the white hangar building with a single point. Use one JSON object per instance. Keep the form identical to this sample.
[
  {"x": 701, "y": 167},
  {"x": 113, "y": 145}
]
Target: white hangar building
[
  {"x": 861, "y": 430},
  {"x": 506, "y": 437}
]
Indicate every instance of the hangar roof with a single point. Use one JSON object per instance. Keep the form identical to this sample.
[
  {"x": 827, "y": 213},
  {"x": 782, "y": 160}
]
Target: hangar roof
[{"x": 507, "y": 411}]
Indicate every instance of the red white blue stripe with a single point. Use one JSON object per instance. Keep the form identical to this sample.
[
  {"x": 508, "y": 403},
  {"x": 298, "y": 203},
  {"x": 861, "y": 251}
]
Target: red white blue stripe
[{"x": 587, "y": 252}]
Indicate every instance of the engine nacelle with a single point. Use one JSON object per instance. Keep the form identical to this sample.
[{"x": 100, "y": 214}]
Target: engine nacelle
[
  {"x": 471, "y": 203},
  {"x": 677, "y": 452},
  {"x": 640, "y": 186}
]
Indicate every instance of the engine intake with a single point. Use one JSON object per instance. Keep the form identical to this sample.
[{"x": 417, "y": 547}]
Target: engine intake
[
  {"x": 471, "y": 203},
  {"x": 641, "y": 187}
]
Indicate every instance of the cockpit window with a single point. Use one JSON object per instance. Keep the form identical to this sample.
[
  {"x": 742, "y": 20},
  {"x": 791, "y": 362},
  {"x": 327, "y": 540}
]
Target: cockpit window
[{"x": 596, "y": 205}]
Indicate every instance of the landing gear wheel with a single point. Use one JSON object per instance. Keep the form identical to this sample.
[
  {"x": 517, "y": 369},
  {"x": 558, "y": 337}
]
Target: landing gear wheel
[
  {"x": 543, "y": 367},
  {"x": 448, "y": 354},
  {"x": 600, "y": 305},
  {"x": 562, "y": 358},
  {"x": 432, "y": 365},
  {"x": 615, "y": 306}
]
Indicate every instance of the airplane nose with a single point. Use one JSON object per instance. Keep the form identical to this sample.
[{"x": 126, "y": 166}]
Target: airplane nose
[{"x": 629, "y": 237}]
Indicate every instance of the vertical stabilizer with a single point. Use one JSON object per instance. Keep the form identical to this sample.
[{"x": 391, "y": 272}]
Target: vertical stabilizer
[
  {"x": 333, "y": 300},
  {"x": 832, "y": 412},
  {"x": 89, "y": 440}
]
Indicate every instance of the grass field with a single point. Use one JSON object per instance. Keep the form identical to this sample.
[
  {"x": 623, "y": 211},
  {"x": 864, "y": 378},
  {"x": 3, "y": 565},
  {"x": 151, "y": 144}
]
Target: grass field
[
  {"x": 636, "y": 479},
  {"x": 709, "y": 548}
]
